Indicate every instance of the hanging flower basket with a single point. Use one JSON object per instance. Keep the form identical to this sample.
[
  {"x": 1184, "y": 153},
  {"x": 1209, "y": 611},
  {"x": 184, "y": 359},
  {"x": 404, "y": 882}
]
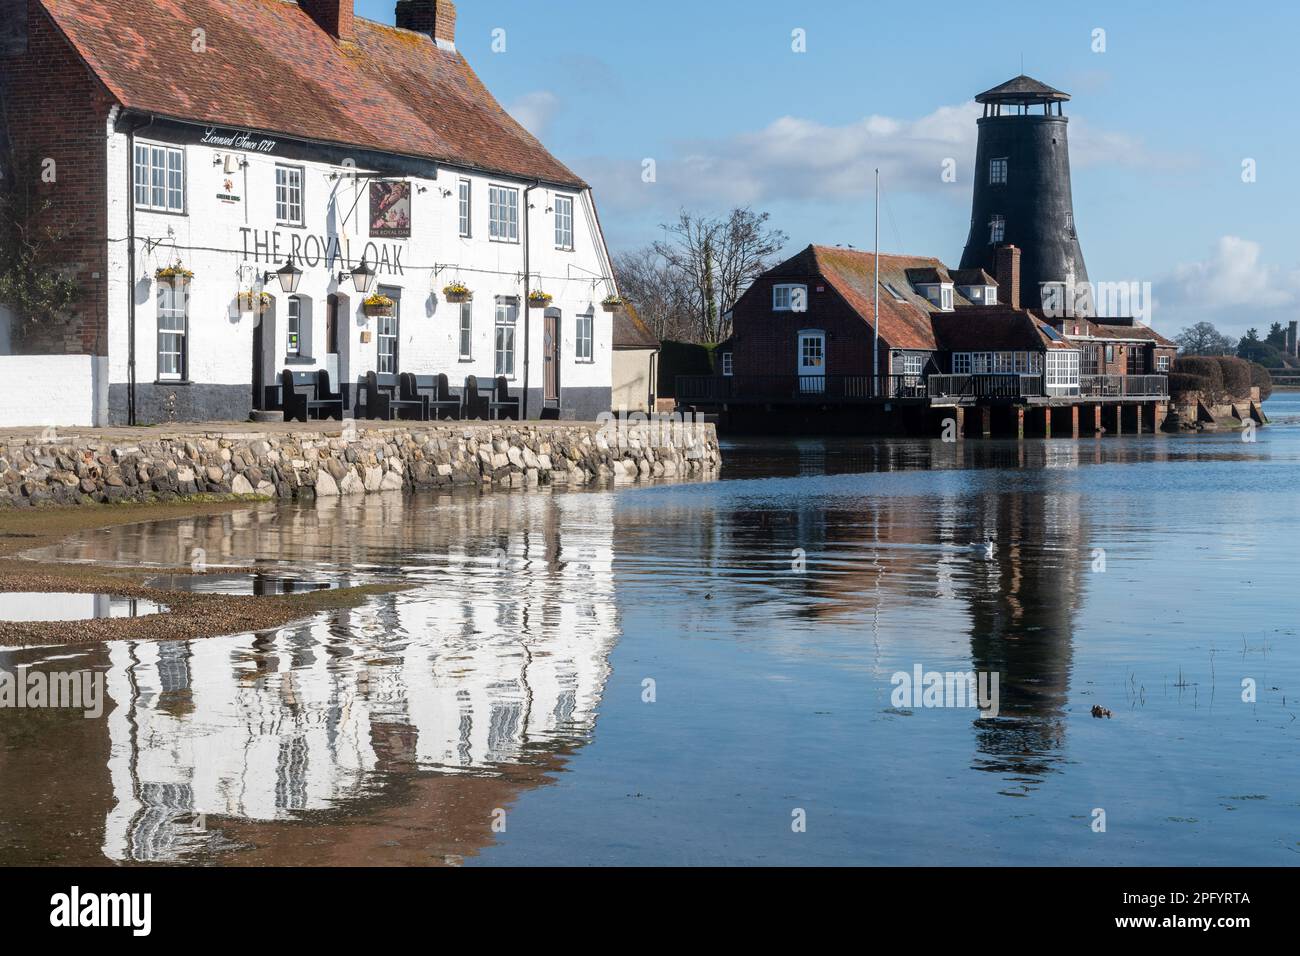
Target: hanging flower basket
[
  {"x": 378, "y": 305},
  {"x": 537, "y": 299},
  {"x": 256, "y": 302},
  {"x": 611, "y": 303},
  {"x": 457, "y": 292},
  {"x": 175, "y": 275}
]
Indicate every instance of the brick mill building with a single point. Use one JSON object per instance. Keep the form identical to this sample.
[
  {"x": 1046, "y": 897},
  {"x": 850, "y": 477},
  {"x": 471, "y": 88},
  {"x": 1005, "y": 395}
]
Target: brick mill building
[
  {"x": 238, "y": 180},
  {"x": 1007, "y": 343}
]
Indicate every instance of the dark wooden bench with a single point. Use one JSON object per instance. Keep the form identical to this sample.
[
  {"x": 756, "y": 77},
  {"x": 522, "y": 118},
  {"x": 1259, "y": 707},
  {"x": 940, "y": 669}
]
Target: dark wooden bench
[
  {"x": 307, "y": 395},
  {"x": 384, "y": 401},
  {"x": 473, "y": 405},
  {"x": 439, "y": 403},
  {"x": 500, "y": 404}
]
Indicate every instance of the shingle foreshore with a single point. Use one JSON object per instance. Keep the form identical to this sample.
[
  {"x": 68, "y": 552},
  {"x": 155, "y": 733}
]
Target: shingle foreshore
[{"x": 307, "y": 464}]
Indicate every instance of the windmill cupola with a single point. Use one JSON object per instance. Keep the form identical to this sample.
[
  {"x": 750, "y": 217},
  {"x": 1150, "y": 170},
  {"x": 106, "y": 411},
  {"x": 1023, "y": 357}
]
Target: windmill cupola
[{"x": 1022, "y": 195}]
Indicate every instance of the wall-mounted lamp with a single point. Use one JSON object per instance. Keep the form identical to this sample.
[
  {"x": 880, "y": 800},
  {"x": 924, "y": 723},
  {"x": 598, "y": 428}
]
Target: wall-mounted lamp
[
  {"x": 288, "y": 274},
  {"x": 363, "y": 277},
  {"x": 445, "y": 193}
]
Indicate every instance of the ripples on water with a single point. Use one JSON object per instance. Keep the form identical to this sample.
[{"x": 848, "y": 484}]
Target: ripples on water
[{"x": 1149, "y": 575}]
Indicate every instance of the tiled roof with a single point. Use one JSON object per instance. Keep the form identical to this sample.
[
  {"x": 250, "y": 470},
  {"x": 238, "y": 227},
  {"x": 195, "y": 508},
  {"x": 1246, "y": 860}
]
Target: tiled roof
[
  {"x": 630, "y": 332},
  {"x": 269, "y": 68},
  {"x": 1135, "y": 332},
  {"x": 994, "y": 329},
  {"x": 904, "y": 319},
  {"x": 972, "y": 277}
]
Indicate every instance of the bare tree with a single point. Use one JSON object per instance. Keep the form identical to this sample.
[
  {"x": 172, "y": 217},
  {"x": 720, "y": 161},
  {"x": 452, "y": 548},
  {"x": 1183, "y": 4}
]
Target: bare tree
[
  {"x": 716, "y": 259},
  {"x": 656, "y": 290},
  {"x": 1204, "y": 339}
]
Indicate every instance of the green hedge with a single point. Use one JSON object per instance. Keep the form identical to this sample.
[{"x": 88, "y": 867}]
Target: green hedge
[
  {"x": 1260, "y": 376},
  {"x": 682, "y": 358},
  {"x": 1236, "y": 376}
]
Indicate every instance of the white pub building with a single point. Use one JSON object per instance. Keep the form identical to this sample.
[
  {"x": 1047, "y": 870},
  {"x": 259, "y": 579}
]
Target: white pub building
[{"x": 287, "y": 187}]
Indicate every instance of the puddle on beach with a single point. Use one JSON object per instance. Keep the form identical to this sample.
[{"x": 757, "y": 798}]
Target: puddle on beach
[
  {"x": 26, "y": 606},
  {"x": 256, "y": 584},
  {"x": 660, "y": 675}
]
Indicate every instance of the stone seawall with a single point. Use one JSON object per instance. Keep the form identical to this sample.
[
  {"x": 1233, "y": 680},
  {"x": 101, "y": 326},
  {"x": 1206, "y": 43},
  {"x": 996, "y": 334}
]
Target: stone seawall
[{"x": 319, "y": 461}]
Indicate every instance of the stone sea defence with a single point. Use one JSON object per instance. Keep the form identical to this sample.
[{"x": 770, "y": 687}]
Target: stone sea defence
[{"x": 327, "y": 460}]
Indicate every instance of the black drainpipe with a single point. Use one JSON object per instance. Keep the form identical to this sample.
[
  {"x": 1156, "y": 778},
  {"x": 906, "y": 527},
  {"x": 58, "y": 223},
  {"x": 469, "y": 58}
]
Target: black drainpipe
[
  {"x": 130, "y": 268},
  {"x": 523, "y": 414}
]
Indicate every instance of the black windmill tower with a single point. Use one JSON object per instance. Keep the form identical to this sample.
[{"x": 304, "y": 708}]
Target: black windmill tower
[{"x": 1022, "y": 189}]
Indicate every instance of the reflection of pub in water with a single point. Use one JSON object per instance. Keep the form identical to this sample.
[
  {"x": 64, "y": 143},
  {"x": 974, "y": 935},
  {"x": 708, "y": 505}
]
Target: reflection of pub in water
[{"x": 429, "y": 709}]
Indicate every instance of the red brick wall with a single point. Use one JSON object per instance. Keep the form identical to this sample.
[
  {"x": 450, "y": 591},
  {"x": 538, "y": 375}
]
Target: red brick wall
[
  {"x": 766, "y": 342},
  {"x": 57, "y": 110}
]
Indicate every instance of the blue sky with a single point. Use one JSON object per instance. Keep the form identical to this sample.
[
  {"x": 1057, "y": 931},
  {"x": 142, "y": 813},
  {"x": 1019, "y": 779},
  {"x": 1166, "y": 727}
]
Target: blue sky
[{"x": 1161, "y": 122}]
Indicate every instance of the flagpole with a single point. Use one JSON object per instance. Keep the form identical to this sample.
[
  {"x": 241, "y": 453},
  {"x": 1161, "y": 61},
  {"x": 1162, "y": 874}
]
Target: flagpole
[{"x": 875, "y": 313}]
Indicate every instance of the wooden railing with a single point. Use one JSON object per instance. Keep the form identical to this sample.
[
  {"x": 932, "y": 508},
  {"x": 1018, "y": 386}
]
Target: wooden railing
[
  {"x": 1124, "y": 386},
  {"x": 992, "y": 385},
  {"x": 714, "y": 389}
]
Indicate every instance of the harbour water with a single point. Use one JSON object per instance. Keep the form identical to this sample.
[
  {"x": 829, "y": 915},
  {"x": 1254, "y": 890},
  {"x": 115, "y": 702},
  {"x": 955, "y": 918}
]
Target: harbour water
[{"x": 706, "y": 672}]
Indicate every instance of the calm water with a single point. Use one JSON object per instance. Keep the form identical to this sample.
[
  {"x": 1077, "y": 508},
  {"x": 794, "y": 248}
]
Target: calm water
[{"x": 1146, "y": 575}]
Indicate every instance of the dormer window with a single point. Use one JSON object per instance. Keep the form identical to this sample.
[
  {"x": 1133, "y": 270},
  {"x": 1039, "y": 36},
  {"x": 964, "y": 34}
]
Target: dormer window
[
  {"x": 990, "y": 295},
  {"x": 945, "y": 298},
  {"x": 998, "y": 171},
  {"x": 937, "y": 293}
]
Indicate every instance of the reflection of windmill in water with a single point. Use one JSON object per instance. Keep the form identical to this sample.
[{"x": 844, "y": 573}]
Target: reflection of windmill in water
[
  {"x": 393, "y": 729},
  {"x": 1022, "y": 606}
]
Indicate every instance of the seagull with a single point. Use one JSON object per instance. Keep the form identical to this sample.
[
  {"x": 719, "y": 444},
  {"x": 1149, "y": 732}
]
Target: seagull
[{"x": 984, "y": 549}]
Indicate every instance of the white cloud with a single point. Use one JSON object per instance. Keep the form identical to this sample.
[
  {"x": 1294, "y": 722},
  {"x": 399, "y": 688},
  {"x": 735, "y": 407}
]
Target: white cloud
[
  {"x": 793, "y": 158},
  {"x": 1233, "y": 287},
  {"x": 534, "y": 111}
]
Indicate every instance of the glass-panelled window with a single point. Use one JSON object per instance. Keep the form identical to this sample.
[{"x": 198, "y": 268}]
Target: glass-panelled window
[
  {"x": 997, "y": 228},
  {"x": 564, "y": 222},
  {"x": 503, "y": 214},
  {"x": 1062, "y": 370},
  {"x": 507, "y": 317},
  {"x": 159, "y": 178},
  {"x": 1137, "y": 360},
  {"x": 293, "y": 346},
  {"x": 467, "y": 330},
  {"x": 288, "y": 195},
  {"x": 913, "y": 366},
  {"x": 997, "y": 171},
  {"x": 1162, "y": 363},
  {"x": 173, "y": 322},
  {"x": 726, "y": 363},
  {"x": 961, "y": 363},
  {"x": 464, "y": 208},
  {"x": 386, "y": 327},
  {"x": 790, "y": 298},
  {"x": 582, "y": 341}
]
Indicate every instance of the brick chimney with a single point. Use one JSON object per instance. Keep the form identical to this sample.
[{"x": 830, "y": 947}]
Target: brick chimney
[
  {"x": 1009, "y": 276},
  {"x": 437, "y": 18},
  {"x": 332, "y": 16}
]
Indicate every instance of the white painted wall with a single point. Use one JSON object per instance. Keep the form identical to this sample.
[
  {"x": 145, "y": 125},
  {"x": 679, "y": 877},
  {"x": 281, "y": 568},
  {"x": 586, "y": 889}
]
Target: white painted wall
[
  {"x": 52, "y": 390},
  {"x": 208, "y": 238}
]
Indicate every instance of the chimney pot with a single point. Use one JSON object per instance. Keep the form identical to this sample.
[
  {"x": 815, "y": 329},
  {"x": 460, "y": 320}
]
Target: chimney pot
[
  {"x": 1009, "y": 275},
  {"x": 332, "y": 16},
  {"x": 437, "y": 18}
]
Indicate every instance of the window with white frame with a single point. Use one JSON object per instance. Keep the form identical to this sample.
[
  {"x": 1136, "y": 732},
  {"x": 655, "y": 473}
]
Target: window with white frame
[
  {"x": 961, "y": 363},
  {"x": 945, "y": 298},
  {"x": 386, "y": 328},
  {"x": 564, "y": 222},
  {"x": 173, "y": 328},
  {"x": 1062, "y": 370},
  {"x": 789, "y": 298},
  {"x": 293, "y": 345},
  {"x": 997, "y": 229},
  {"x": 159, "y": 178},
  {"x": 506, "y": 320},
  {"x": 465, "y": 208},
  {"x": 913, "y": 366},
  {"x": 1162, "y": 363},
  {"x": 990, "y": 295},
  {"x": 998, "y": 171},
  {"x": 467, "y": 330},
  {"x": 583, "y": 341},
  {"x": 726, "y": 363},
  {"x": 503, "y": 214},
  {"x": 288, "y": 195}
]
